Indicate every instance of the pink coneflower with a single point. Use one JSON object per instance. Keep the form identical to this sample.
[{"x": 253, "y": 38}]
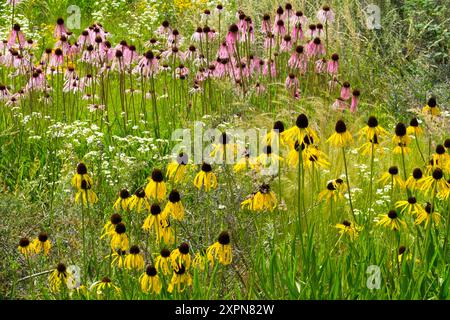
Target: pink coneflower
[
  {"x": 174, "y": 38},
  {"x": 191, "y": 53},
  {"x": 298, "y": 60},
  {"x": 345, "y": 90},
  {"x": 299, "y": 17},
  {"x": 286, "y": 44},
  {"x": 297, "y": 32},
  {"x": 12, "y": 102},
  {"x": 325, "y": 15},
  {"x": 255, "y": 64},
  {"x": 270, "y": 65},
  {"x": 117, "y": 63},
  {"x": 221, "y": 67},
  {"x": 315, "y": 48},
  {"x": 60, "y": 29},
  {"x": 219, "y": 8},
  {"x": 355, "y": 100},
  {"x": 88, "y": 96},
  {"x": 96, "y": 107},
  {"x": 197, "y": 36},
  {"x": 280, "y": 13},
  {"x": 332, "y": 84},
  {"x": 201, "y": 75},
  {"x": 320, "y": 66},
  {"x": 259, "y": 88},
  {"x": 57, "y": 58},
  {"x": 84, "y": 39},
  {"x": 181, "y": 70},
  {"x": 232, "y": 36},
  {"x": 30, "y": 44},
  {"x": 16, "y": 35},
  {"x": 223, "y": 51},
  {"x": 164, "y": 28},
  {"x": 211, "y": 34},
  {"x": 279, "y": 28},
  {"x": 288, "y": 13},
  {"x": 106, "y": 51},
  {"x": 174, "y": 53},
  {"x": 196, "y": 88},
  {"x": 291, "y": 81},
  {"x": 297, "y": 94},
  {"x": 266, "y": 26},
  {"x": 339, "y": 104},
  {"x": 312, "y": 31},
  {"x": 4, "y": 92},
  {"x": 242, "y": 23},
  {"x": 269, "y": 40},
  {"x": 37, "y": 81},
  {"x": 152, "y": 43},
  {"x": 319, "y": 28},
  {"x": 13, "y": 2},
  {"x": 200, "y": 60},
  {"x": 333, "y": 64},
  {"x": 87, "y": 81},
  {"x": 63, "y": 44},
  {"x": 148, "y": 65},
  {"x": 130, "y": 55},
  {"x": 72, "y": 86}
]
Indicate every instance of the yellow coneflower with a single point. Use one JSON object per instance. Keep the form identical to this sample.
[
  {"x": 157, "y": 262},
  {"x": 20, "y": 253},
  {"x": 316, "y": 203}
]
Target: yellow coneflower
[
  {"x": 274, "y": 137},
  {"x": 349, "y": 228},
  {"x": 400, "y": 139},
  {"x": 266, "y": 159},
  {"x": 118, "y": 258},
  {"x": 139, "y": 201},
  {"x": 335, "y": 190},
  {"x": 26, "y": 247},
  {"x": 431, "y": 107},
  {"x": 119, "y": 239},
  {"x": 435, "y": 182},
  {"x": 134, "y": 260},
  {"x": 341, "y": 137},
  {"x": 166, "y": 235},
  {"x": 123, "y": 201},
  {"x": 297, "y": 132},
  {"x": 263, "y": 200},
  {"x": 199, "y": 261},
  {"x": 153, "y": 219},
  {"x": 391, "y": 220},
  {"x": 392, "y": 176},
  {"x": 443, "y": 194},
  {"x": 177, "y": 168},
  {"x": 294, "y": 154},
  {"x": 150, "y": 281},
  {"x": 413, "y": 128},
  {"x": 371, "y": 145},
  {"x": 205, "y": 178},
  {"x": 162, "y": 262},
  {"x": 104, "y": 284},
  {"x": 180, "y": 279},
  {"x": 243, "y": 163},
  {"x": 415, "y": 180},
  {"x": 401, "y": 148},
  {"x": 81, "y": 175},
  {"x": 372, "y": 129},
  {"x": 181, "y": 256},
  {"x": 58, "y": 278},
  {"x": 42, "y": 243},
  {"x": 156, "y": 187},
  {"x": 428, "y": 214},
  {"x": 220, "y": 250},
  {"x": 410, "y": 206},
  {"x": 85, "y": 194},
  {"x": 441, "y": 157},
  {"x": 432, "y": 164},
  {"x": 224, "y": 149},
  {"x": 109, "y": 227},
  {"x": 174, "y": 208},
  {"x": 316, "y": 158},
  {"x": 401, "y": 253}
]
